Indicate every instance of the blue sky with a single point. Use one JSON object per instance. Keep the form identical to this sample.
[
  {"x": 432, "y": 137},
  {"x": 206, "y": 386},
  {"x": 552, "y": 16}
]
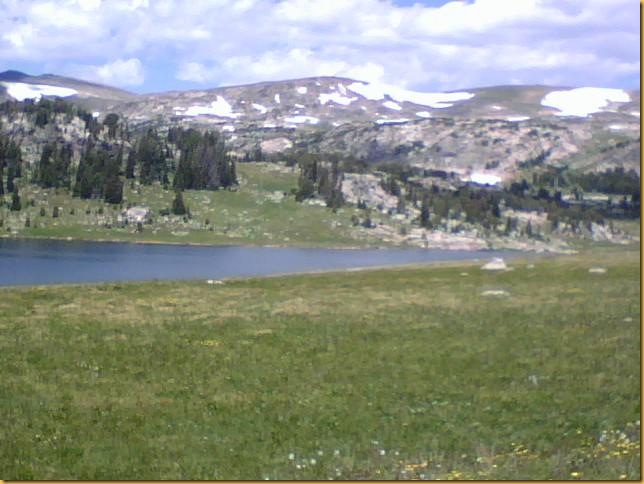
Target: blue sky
[{"x": 158, "y": 45}]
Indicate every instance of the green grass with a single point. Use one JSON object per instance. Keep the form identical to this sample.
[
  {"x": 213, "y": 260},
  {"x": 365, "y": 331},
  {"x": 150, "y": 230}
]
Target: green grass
[
  {"x": 255, "y": 214},
  {"x": 395, "y": 373}
]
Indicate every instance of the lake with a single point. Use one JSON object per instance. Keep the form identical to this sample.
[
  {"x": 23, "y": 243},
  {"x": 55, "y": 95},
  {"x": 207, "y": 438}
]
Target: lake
[{"x": 30, "y": 262}]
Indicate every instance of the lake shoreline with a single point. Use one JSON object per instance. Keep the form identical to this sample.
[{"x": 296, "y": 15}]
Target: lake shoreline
[
  {"x": 241, "y": 244},
  {"x": 40, "y": 261}
]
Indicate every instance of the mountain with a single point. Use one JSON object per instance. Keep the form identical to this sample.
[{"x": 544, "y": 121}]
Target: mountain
[
  {"x": 497, "y": 130},
  {"x": 18, "y": 85}
]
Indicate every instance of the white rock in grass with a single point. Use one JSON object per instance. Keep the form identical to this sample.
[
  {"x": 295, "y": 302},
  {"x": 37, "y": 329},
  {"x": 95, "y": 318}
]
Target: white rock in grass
[
  {"x": 496, "y": 264},
  {"x": 597, "y": 270},
  {"x": 210, "y": 281},
  {"x": 495, "y": 292}
]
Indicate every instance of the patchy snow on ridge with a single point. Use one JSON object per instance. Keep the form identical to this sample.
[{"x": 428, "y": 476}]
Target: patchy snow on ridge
[
  {"x": 219, "y": 107},
  {"x": 517, "y": 118},
  {"x": 391, "y": 121},
  {"x": 484, "y": 179},
  {"x": 260, "y": 108},
  {"x": 301, "y": 89},
  {"x": 336, "y": 98},
  {"x": 583, "y": 101},
  {"x": 21, "y": 91},
  {"x": 424, "y": 114},
  {"x": 277, "y": 98},
  {"x": 376, "y": 92},
  {"x": 392, "y": 105},
  {"x": 302, "y": 119}
]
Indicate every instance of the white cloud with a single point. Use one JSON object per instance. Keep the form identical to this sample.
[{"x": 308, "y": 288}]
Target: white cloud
[
  {"x": 195, "y": 72},
  {"x": 121, "y": 72},
  {"x": 454, "y": 46}
]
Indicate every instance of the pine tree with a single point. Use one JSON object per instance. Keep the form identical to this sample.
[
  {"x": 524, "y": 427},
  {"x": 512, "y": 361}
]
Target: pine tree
[
  {"x": 16, "y": 205},
  {"x": 131, "y": 161},
  {"x": 13, "y": 158},
  {"x": 178, "y": 205},
  {"x": 151, "y": 156},
  {"x": 424, "y": 212}
]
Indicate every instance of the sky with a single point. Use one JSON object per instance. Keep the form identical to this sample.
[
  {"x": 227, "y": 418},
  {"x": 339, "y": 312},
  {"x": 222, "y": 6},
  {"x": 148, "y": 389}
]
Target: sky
[{"x": 434, "y": 45}]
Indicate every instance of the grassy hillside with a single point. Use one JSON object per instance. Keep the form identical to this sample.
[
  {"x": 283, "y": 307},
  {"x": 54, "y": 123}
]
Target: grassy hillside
[
  {"x": 394, "y": 374},
  {"x": 258, "y": 214}
]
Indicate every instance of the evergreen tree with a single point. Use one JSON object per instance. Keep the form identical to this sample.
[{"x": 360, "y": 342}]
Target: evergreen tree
[
  {"x": 151, "y": 156},
  {"x": 111, "y": 121},
  {"x": 13, "y": 159},
  {"x": 178, "y": 205},
  {"x": 131, "y": 161},
  {"x": 16, "y": 205},
  {"x": 113, "y": 187},
  {"x": 424, "y": 212},
  {"x": 1, "y": 177}
]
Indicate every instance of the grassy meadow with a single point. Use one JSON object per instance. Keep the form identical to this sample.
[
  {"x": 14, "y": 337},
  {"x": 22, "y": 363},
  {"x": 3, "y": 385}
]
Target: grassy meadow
[
  {"x": 258, "y": 213},
  {"x": 380, "y": 374}
]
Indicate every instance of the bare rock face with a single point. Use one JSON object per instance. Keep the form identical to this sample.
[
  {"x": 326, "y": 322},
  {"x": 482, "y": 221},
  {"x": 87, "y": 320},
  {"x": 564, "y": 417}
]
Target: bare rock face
[
  {"x": 366, "y": 187},
  {"x": 276, "y": 145},
  {"x": 494, "y": 131},
  {"x": 496, "y": 264}
]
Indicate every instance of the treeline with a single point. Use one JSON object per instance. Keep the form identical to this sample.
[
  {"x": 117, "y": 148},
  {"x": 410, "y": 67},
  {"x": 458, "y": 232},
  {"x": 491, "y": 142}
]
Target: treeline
[
  {"x": 98, "y": 165},
  {"x": 204, "y": 163},
  {"x": 612, "y": 181},
  {"x": 319, "y": 175}
]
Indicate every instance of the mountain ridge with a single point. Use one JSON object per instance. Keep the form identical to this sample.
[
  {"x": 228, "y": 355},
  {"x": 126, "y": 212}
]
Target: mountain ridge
[{"x": 504, "y": 127}]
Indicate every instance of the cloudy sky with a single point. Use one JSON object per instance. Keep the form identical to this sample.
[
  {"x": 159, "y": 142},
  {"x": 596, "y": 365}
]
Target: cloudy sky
[{"x": 158, "y": 45}]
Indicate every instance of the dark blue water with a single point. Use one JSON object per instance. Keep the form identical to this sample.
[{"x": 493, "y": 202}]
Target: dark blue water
[{"x": 54, "y": 262}]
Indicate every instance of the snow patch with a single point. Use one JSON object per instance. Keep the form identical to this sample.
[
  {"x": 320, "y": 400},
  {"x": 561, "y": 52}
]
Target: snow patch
[
  {"x": 342, "y": 89},
  {"x": 496, "y": 108},
  {"x": 635, "y": 113},
  {"x": 517, "y": 118},
  {"x": 270, "y": 125},
  {"x": 299, "y": 105},
  {"x": 228, "y": 127},
  {"x": 424, "y": 114},
  {"x": 392, "y": 105},
  {"x": 260, "y": 108},
  {"x": 277, "y": 98},
  {"x": 301, "y": 89},
  {"x": 96, "y": 114},
  {"x": 220, "y": 107},
  {"x": 336, "y": 98},
  {"x": 21, "y": 91},
  {"x": 583, "y": 101},
  {"x": 391, "y": 121},
  {"x": 484, "y": 179},
  {"x": 302, "y": 119},
  {"x": 376, "y": 92}
]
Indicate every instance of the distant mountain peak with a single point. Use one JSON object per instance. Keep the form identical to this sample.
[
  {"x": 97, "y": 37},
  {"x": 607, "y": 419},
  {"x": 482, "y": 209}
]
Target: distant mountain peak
[{"x": 12, "y": 75}]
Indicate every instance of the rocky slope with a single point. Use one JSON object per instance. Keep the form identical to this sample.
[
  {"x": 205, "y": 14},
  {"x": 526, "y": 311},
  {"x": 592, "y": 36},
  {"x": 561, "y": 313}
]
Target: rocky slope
[{"x": 490, "y": 132}]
